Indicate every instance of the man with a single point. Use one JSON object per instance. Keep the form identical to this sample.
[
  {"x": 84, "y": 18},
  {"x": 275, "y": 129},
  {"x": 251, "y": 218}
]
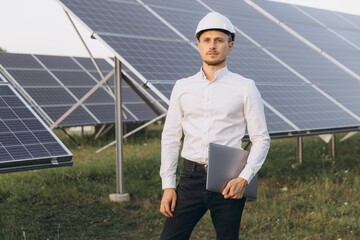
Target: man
[{"x": 215, "y": 105}]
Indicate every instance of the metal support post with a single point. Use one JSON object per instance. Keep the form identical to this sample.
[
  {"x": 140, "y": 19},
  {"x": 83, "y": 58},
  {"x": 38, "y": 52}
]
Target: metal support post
[
  {"x": 299, "y": 148},
  {"x": 120, "y": 195},
  {"x": 332, "y": 147}
]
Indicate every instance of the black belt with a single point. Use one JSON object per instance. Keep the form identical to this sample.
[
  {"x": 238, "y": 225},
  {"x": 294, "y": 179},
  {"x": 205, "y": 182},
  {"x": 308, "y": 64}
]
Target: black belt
[{"x": 194, "y": 166}]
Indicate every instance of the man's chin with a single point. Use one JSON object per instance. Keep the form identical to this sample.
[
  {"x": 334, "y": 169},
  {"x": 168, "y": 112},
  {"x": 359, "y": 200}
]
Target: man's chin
[{"x": 214, "y": 62}]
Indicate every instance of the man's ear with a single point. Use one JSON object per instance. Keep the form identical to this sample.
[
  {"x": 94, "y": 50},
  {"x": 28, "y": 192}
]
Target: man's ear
[{"x": 231, "y": 46}]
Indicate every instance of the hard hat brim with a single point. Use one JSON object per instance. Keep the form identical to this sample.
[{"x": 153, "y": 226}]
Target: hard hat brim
[{"x": 232, "y": 35}]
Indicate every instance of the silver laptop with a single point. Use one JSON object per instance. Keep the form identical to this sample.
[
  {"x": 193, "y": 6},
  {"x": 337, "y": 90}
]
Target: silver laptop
[{"x": 226, "y": 163}]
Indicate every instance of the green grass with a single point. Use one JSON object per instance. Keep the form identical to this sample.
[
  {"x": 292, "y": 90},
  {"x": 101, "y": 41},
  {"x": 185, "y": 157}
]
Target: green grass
[{"x": 318, "y": 199}]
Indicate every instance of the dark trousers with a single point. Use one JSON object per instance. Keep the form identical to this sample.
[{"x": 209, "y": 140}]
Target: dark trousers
[{"x": 193, "y": 200}]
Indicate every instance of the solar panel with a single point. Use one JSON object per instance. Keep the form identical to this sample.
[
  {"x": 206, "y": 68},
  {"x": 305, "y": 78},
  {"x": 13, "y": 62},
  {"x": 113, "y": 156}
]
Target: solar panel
[
  {"x": 25, "y": 141},
  {"x": 181, "y": 17},
  {"x": 329, "y": 18},
  {"x": 56, "y": 83},
  {"x": 157, "y": 60},
  {"x": 351, "y": 35},
  {"x": 285, "y": 12},
  {"x": 187, "y": 5},
  {"x": 347, "y": 51},
  {"x": 276, "y": 124},
  {"x": 305, "y": 107},
  {"x": 293, "y": 102},
  {"x": 269, "y": 75},
  {"x": 103, "y": 17},
  {"x": 313, "y": 66},
  {"x": 354, "y": 20}
]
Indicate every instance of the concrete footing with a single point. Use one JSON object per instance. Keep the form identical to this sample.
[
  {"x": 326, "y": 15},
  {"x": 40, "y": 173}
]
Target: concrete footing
[{"x": 117, "y": 197}]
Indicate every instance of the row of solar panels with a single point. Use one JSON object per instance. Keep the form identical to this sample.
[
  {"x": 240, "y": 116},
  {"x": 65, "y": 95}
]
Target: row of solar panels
[
  {"x": 309, "y": 79},
  {"x": 305, "y": 63},
  {"x": 53, "y": 84},
  {"x": 33, "y": 85}
]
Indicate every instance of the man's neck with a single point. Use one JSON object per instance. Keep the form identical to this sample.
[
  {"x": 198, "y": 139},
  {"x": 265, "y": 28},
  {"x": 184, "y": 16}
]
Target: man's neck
[{"x": 209, "y": 70}]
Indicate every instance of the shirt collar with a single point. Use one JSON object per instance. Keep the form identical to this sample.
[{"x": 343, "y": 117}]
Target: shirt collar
[{"x": 218, "y": 74}]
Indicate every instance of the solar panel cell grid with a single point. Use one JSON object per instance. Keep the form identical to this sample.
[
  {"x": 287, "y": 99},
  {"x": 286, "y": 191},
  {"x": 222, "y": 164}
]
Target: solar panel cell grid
[
  {"x": 88, "y": 64},
  {"x": 72, "y": 78},
  {"x": 333, "y": 44},
  {"x": 165, "y": 88},
  {"x": 18, "y": 61},
  {"x": 267, "y": 33},
  {"x": 314, "y": 67},
  {"x": 305, "y": 107},
  {"x": 233, "y": 9},
  {"x": 104, "y": 17},
  {"x": 275, "y": 123},
  {"x": 352, "y": 36},
  {"x": 255, "y": 64},
  {"x": 51, "y": 96},
  {"x": 28, "y": 78},
  {"x": 285, "y": 12},
  {"x": 25, "y": 138},
  {"x": 348, "y": 95},
  {"x": 22, "y": 136},
  {"x": 77, "y": 118},
  {"x": 329, "y": 18},
  {"x": 182, "y": 19},
  {"x": 158, "y": 60},
  {"x": 187, "y": 5},
  {"x": 57, "y": 62},
  {"x": 104, "y": 112},
  {"x": 136, "y": 109},
  {"x": 353, "y": 19},
  {"x": 99, "y": 96},
  {"x": 325, "y": 39}
]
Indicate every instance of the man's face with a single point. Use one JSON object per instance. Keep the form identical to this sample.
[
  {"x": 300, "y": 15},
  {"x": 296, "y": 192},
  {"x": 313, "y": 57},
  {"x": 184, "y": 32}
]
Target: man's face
[{"x": 214, "y": 46}]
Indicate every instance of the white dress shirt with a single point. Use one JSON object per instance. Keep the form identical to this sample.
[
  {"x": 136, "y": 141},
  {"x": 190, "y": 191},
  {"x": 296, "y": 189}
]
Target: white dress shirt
[{"x": 216, "y": 111}]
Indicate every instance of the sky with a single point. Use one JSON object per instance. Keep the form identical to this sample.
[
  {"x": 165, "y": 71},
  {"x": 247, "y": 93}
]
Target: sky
[{"x": 42, "y": 27}]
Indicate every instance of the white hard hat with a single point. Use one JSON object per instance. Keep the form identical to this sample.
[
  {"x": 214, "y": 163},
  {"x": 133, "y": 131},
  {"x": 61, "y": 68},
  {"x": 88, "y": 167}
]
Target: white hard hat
[{"x": 216, "y": 21}]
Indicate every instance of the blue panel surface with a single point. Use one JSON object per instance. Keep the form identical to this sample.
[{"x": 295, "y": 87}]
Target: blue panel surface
[
  {"x": 345, "y": 49},
  {"x": 25, "y": 142}
]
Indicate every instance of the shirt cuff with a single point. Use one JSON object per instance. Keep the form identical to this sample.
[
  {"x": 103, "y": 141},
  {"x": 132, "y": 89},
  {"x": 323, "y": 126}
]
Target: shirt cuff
[
  {"x": 247, "y": 173},
  {"x": 168, "y": 183}
]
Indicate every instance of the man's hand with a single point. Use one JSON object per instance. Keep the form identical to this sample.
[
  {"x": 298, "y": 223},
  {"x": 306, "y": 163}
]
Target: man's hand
[
  {"x": 235, "y": 188},
  {"x": 168, "y": 202}
]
